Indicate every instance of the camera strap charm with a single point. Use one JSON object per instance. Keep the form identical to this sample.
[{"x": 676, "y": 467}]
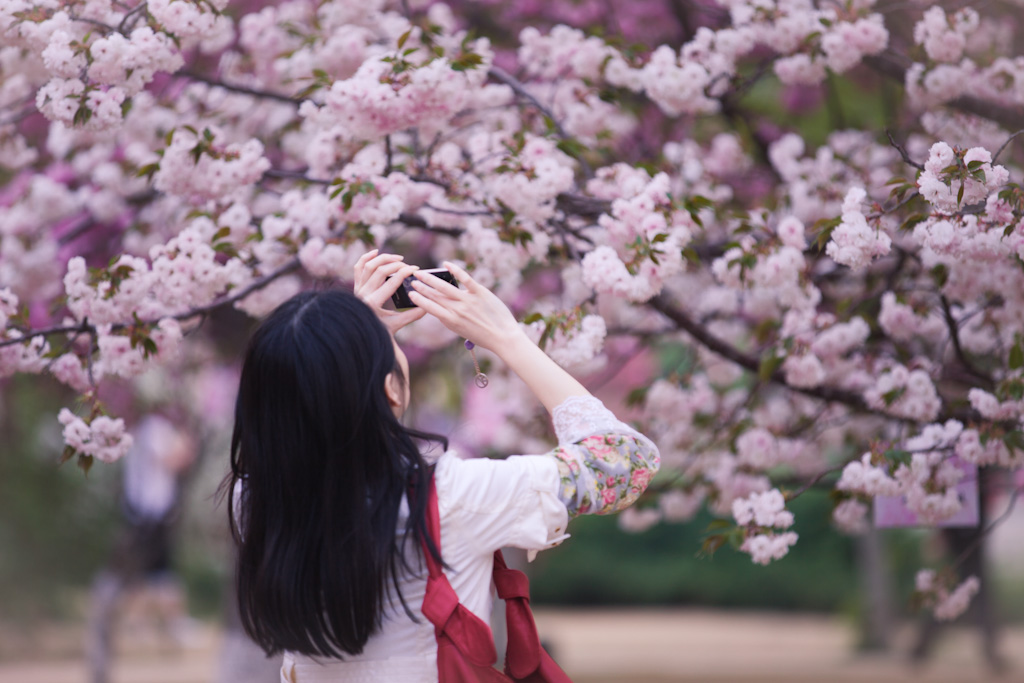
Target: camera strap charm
[{"x": 480, "y": 378}]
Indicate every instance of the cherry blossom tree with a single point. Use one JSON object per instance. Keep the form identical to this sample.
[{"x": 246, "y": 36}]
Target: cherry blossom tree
[{"x": 851, "y": 303}]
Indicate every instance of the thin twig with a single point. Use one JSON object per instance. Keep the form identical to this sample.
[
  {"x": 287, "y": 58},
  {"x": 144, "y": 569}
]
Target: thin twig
[
  {"x": 257, "y": 284},
  {"x": 725, "y": 350},
  {"x": 902, "y": 150},
  {"x": 894, "y": 66},
  {"x": 460, "y": 212},
  {"x": 264, "y": 94},
  {"x": 989, "y": 529},
  {"x": 93, "y": 22},
  {"x": 511, "y": 81},
  {"x": 954, "y": 335},
  {"x": 414, "y": 221},
  {"x": 1003, "y": 146},
  {"x": 92, "y": 349},
  {"x": 81, "y": 328},
  {"x": 85, "y": 327},
  {"x": 20, "y": 116},
  {"x": 74, "y": 233},
  {"x": 810, "y": 484},
  {"x": 124, "y": 25},
  {"x": 294, "y": 175}
]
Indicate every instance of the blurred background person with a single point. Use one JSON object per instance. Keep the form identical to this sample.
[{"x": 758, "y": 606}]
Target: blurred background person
[{"x": 141, "y": 561}]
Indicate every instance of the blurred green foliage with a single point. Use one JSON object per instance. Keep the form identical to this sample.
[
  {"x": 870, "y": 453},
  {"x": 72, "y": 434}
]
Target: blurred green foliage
[
  {"x": 601, "y": 564},
  {"x": 55, "y": 523}
]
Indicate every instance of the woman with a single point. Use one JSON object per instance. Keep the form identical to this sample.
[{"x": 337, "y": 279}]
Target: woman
[{"x": 330, "y": 566}]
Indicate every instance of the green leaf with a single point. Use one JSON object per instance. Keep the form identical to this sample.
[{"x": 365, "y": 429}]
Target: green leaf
[
  {"x": 1014, "y": 441},
  {"x": 825, "y": 227},
  {"x": 148, "y": 170},
  {"x": 711, "y": 544},
  {"x": 1016, "y": 359},
  {"x": 532, "y": 318},
  {"x": 1012, "y": 388},
  {"x": 898, "y": 455},
  {"x": 893, "y": 395},
  {"x": 403, "y": 38},
  {"x": 467, "y": 61},
  {"x": 913, "y": 220},
  {"x": 690, "y": 254},
  {"x": 82, "y": 116},
  {"x": 66, "y": 454},
  {"x": 571, "y": 146},
  {"x": 716, "y": 525},
  {"x": 769, "y": 364},
  {"x": 637, "y": 396},
  {"x": 85, "y": 463}
]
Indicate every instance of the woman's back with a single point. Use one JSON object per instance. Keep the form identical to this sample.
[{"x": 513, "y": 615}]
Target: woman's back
[{"x": 330, "y": 567}]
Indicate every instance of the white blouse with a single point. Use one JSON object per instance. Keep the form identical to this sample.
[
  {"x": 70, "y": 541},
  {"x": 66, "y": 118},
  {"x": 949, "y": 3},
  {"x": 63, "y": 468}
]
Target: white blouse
[{"x": 523, "y": 501}]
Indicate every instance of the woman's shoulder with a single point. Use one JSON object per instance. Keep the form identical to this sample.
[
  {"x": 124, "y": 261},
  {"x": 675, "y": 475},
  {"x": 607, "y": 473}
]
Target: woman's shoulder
[{"x": 482, "y": 484}]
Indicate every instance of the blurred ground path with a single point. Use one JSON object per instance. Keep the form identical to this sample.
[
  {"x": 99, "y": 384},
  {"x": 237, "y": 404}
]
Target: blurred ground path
[{"x": 594, "y": 646}]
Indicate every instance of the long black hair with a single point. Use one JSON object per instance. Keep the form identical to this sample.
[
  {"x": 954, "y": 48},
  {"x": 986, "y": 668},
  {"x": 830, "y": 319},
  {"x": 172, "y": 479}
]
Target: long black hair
[{"x": 323, "y": 464}]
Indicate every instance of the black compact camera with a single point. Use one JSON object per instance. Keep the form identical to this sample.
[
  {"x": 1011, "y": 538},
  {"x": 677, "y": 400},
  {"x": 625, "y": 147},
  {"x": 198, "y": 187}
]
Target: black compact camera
[{"x": 401, "y": 296}]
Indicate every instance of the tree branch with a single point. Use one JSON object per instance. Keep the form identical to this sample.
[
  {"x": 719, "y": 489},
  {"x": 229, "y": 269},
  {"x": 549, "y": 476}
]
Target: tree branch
[
  {"x": 1004, "y": 145},
  {"x": 813, "y": 482},
  {"x": 256, "y": 285},
  {"x": 294, "y": 175},
  {"x": 415, "y": 221},
  {"x": 518, "y": 88},
  {"x": 895, "y": 66},
  {"x": 661, "y": 304},
  {"x": 263, "y": 94},
  {"x": 903, "y": 151},
  {"x": 85, "y": 327},
  {"x": 581, "y": 205},
  {"x": 954, "y": 335},
  {"x": 989, "y": 529}
]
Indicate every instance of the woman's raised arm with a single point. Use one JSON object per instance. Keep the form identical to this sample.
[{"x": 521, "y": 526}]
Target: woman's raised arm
[{"x": 481, "y": 317}]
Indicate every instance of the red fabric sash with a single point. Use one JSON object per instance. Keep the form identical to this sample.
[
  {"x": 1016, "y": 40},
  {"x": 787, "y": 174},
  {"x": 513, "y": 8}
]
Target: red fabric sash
[{"x": 465, "y": 645}]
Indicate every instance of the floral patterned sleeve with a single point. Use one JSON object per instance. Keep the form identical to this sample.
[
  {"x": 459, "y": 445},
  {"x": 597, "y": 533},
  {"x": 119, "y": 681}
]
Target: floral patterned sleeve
[{"x": 604, "y": 465}]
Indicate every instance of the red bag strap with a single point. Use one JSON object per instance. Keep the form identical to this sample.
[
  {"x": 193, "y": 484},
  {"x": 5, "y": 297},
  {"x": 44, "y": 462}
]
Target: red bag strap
[
  {"x": 454, "y": 624},
  {"x": 433, "y": 522},
  {"x": 456, "y": 627}
]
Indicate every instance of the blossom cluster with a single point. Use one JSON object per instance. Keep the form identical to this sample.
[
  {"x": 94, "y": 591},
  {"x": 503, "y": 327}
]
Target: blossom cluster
[
  {"x": 907, "y": 393},
  {"x": 960, "y": 60},
  {"x": 953, "y": 179},
  {"x": 761, "y": 514},
  {"x": 194, "y": 166},
  {"x": 947, "y": 602},
  {"x": 643, "y": 236},
  {"x": 854, "y": 243},
  {"x": 103, "y": 438}
]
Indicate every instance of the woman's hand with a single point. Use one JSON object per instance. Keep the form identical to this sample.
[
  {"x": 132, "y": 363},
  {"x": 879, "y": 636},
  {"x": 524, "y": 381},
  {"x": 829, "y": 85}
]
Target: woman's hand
[
  {"x": 474, "y": 312},
  {"x": 374, "y": 286},
  {"x": 478, "y": 315}
]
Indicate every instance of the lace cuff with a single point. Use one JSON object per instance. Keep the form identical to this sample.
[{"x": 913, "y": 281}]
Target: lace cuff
[{"x": 578, "y": 417}]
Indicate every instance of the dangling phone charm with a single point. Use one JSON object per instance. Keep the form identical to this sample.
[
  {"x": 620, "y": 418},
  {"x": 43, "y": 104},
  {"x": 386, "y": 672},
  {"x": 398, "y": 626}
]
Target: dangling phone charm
[{"x": 480, "y": 378}]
